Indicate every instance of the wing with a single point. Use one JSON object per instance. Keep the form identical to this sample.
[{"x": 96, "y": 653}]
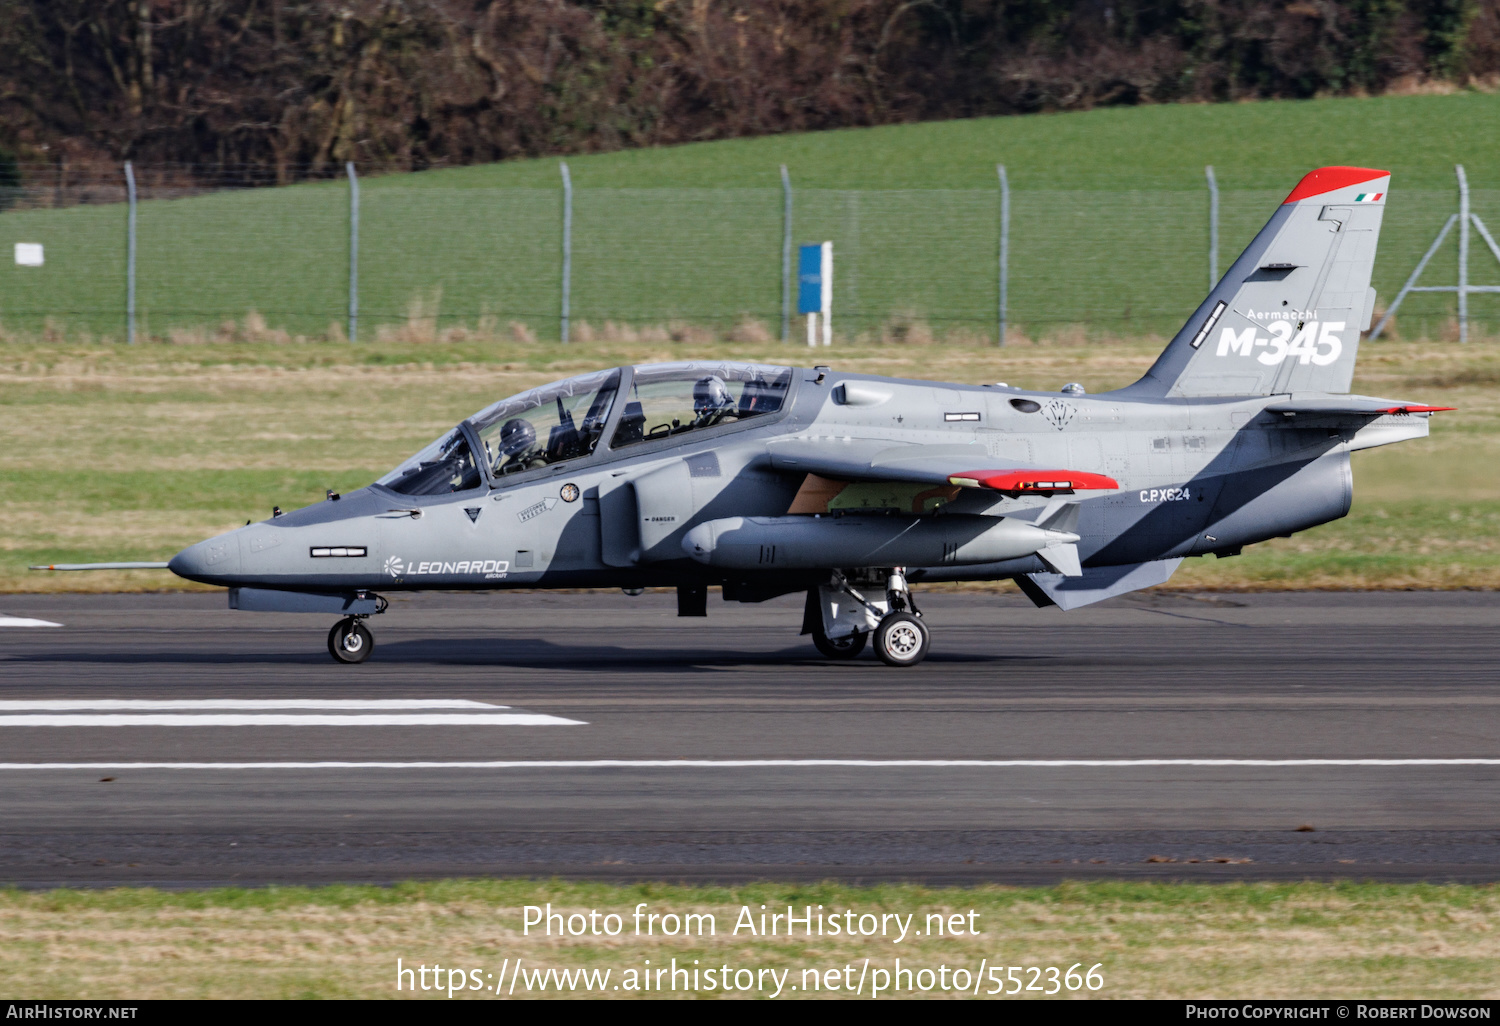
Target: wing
[{"x": 963, "y": 466}]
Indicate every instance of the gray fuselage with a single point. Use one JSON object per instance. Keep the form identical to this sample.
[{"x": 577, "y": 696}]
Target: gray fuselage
[{"x": 1195, "y": 476}]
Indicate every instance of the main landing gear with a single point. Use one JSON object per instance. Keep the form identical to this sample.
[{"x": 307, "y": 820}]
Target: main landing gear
[{"x": 842, "y": 620}]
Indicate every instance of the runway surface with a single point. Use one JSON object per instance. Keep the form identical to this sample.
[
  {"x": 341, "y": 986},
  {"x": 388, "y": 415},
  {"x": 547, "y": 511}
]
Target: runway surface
[{"x": 165, "y": 739}]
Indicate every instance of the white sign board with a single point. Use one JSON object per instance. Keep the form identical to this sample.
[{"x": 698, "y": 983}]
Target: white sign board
[{"x": 29, "y": 254}]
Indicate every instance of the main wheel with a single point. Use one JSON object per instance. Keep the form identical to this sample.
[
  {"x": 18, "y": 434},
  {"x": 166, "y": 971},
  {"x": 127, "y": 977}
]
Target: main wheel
[
  {"x": 350, "y": 641},
  {"x": 846, "y": 647},
  {"x": 901, "y": 640}
]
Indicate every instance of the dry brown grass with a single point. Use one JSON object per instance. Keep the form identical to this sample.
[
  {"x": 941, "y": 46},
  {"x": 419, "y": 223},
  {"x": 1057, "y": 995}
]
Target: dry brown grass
[{"x": 1159, "y": 941}]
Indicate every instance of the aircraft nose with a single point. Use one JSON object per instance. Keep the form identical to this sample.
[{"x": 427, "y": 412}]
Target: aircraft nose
[{"x": 208, "y": 561}]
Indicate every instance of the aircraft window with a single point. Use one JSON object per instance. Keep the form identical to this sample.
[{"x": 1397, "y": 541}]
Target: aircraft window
[
  {"x": 547, "y": 425},
  {"x": 671, "y": 398},
  {"x": 446, "y": 465}
]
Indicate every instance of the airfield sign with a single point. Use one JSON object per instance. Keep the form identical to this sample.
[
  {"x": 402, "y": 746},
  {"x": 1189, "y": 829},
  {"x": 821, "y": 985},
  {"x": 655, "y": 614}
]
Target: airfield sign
[{"x": 815, "y": 290}]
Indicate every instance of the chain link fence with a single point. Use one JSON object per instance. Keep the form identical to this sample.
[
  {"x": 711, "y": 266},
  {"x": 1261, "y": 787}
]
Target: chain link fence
[{"x": 438, "y": 255}]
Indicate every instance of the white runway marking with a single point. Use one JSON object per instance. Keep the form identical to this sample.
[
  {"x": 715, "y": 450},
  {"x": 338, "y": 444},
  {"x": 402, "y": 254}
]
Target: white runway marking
[
  {"x": 286, "y": 720},
  {"x": 759, "y": 764},
  {"x": 159, "y": 704},
  {"x": 263, "y": 712},
  {"x": 25, "y": 621}
]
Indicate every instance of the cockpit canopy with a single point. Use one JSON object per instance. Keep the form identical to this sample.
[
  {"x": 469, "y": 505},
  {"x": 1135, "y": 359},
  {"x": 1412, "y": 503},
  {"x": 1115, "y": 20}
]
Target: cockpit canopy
[{"x": 567, "y": 420}]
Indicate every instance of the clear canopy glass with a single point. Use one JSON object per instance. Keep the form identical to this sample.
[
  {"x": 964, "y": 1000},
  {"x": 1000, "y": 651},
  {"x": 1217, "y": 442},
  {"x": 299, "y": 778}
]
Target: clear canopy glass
[
  {"x": 446, "y": 465},
  {"x": 557, "y": 422},
  {"x": 668, "y": 399},
  {"x": 565, "y": 420}
]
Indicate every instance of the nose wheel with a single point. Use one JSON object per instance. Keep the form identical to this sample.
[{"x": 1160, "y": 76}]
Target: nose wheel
[{"x": 350, "y": 641}]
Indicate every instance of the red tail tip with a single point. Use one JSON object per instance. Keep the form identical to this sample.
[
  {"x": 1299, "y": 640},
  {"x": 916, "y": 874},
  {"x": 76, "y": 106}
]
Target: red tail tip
[{"x": 1327, "y": 179}]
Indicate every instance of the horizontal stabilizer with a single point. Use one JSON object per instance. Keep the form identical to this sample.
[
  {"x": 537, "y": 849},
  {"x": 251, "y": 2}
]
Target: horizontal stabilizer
[
  {"x": 102, "y": 566},
  {"x": 1096, "y": 583}
]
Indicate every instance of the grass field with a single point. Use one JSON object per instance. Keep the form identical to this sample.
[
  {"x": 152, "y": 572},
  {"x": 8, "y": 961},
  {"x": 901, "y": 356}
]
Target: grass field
[
  {"x": 1109, "y": 230},
  {"x": 109, "y": 453},
  {"x": 1148, "y": 940}
]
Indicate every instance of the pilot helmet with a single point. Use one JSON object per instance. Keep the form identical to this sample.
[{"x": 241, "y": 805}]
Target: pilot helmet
[
  {"x": 517, "y": 436},
  {"x": 710, "y": 394}
]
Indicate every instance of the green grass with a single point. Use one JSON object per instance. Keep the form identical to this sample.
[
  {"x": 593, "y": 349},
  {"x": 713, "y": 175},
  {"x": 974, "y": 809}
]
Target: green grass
[
  {"x": 109, "y": 453},
  {"x": 1349, "y": 940},
  {"x": 1109, "y": 229},
  {"x": 1253, "y": 146}
]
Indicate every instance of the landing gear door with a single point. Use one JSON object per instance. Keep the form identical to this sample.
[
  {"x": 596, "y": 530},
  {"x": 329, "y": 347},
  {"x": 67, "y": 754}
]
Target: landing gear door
[{"x": 619, "y": 523}]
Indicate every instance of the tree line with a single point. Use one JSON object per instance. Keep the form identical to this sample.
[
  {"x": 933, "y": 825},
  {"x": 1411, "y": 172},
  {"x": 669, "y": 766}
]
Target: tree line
[{"x": 277, "y": 90}]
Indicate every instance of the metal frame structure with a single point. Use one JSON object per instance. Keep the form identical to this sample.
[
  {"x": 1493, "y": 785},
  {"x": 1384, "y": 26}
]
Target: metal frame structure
[
  {"x": 1004, "y": 268},
  {"x": 1465, "y": 218},
  {"x": 353, "y": 252},
  {"x": 130, "y": 255},
  {"x": 786, "y": 255},
  {"x": 567, "y": 248}
]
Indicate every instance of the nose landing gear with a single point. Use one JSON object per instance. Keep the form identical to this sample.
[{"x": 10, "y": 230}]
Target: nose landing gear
[{"x": 350, "y": 641}]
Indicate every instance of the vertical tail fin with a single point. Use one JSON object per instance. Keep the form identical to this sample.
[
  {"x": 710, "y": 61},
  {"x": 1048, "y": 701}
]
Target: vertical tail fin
[{"x": 1287, "y": 316}]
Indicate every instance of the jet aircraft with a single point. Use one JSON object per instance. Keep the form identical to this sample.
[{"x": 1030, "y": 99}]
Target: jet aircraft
[{"x": 769, "y": 480}]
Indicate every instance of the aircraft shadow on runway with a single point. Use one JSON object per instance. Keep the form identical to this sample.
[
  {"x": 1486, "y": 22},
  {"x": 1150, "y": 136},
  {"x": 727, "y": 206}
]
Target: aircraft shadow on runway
[{"x": 505, "y": 652}]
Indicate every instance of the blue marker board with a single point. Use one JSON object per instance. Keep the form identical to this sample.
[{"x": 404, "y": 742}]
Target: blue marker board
[{"x": 810, "y": 279}]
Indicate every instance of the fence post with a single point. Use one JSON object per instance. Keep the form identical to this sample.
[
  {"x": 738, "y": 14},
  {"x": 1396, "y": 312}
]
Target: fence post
[
  {"x": 130, "y": 255},
  {"x": 567, "y": 244},
  {"x": 1213, "y": 227},
  {"x": 353, "y": 252},
  {"x": 1004, "y": 269},
  {"x": 1416, "y": 274},
  {"x": 786, "y": 254},
  {"x": 1463, "y": 253}
]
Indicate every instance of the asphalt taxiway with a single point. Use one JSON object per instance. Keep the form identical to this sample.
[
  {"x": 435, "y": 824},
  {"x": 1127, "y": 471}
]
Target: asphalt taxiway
[{"x": 166, "y": 739}]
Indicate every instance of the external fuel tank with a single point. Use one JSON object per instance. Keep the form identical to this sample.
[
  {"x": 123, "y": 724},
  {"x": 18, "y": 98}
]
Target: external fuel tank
[{"x": 811, "y": 542}]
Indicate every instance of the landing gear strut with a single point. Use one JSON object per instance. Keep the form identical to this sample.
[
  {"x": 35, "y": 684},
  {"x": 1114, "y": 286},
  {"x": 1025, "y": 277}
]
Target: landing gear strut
[
  {"x": 842, "y": 620},
  {"x": 902, "y": 638},
  {"x": 350, "y": 641}
]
